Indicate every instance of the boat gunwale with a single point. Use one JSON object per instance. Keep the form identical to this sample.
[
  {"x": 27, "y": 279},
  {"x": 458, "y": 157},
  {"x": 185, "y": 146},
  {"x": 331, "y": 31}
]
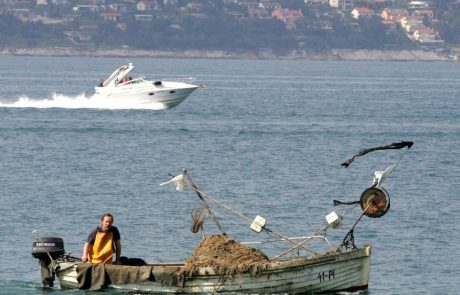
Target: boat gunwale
[
  {"x": 272, "y": 267},
  {"x": 325, "y": 257}
]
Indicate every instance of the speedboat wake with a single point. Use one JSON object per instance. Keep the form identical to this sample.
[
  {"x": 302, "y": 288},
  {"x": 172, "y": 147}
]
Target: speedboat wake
[{"x": 81, "y": 102}]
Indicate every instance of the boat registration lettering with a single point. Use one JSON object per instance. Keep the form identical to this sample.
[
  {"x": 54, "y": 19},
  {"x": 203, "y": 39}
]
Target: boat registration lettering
[{"x": 326, "y": 276}]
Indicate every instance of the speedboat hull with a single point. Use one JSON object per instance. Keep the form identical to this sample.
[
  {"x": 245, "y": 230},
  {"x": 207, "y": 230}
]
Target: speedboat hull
[
  {"x": 122, "y": 89},
  {"x": 164, "y": 96},
  {"x": 346, "y": 271}
]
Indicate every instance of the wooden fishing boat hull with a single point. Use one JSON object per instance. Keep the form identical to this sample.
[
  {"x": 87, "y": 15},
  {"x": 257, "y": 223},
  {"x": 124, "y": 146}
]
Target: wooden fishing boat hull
[{"x": 346, "y": 271}]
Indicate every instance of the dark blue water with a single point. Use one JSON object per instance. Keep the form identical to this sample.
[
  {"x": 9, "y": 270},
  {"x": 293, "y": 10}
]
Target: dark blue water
[{"x": 266, "y": 137}]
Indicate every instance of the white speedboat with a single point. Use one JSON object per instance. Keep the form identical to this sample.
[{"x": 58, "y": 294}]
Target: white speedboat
[{"x": 119, "y": 86}]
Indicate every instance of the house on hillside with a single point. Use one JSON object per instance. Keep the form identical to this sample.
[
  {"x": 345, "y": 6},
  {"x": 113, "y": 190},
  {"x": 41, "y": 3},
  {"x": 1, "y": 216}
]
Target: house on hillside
[
  {"x": 316, "y": 1},
  {"x": 427, "y": 36},
  {"x": 425, "y": 13},
  {"x": 412, "y": 23},
  {"x": 288, "y": 16},
  {"x": 111, "y": 16},
  {"x": 89, "y": 27},
  {"x": 270, "y": 5},
  {"x": 85, "y": 8},
  {"x": 419, "y": 5},
  {"x": 424, "y": 34},
  {"x": 362, "y": 12},
  {"x": 394, "y": 14},
  {"x": 346, "y": 5},
  {"x": 146, "y": 5},
  {"x": 143, "y": 17},
  {"x": 250, "y": 4}
]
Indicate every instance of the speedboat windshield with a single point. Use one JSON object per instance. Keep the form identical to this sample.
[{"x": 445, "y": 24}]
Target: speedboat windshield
[{"x": 117, "y": 75}]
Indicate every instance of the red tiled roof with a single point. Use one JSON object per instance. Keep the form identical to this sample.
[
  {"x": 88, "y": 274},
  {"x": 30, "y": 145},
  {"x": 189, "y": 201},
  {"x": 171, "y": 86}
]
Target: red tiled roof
[
  {"x": 111, "y": 14},
  {"x": 364, "y": 10}
]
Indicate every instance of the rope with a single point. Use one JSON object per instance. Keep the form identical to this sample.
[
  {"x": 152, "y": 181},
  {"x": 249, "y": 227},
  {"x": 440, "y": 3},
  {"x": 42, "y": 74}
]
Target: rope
[
  {"x": 351, "y": 231},
  {"x": 310, "y": 238},
  {"x": 199, "y": 215},
  {"x": 291, "y": 238},
  {"x": 203, "y": 195},
  {"x": 205, "y": 204}
]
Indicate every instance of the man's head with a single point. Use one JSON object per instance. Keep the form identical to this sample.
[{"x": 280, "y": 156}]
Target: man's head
[{"x": 106, "y": 221}]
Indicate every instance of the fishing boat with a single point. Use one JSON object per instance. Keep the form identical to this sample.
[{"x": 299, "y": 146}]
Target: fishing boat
[
  {"x": 120, "y": 87},
  {"x": 341, "y": 271},
  {"x": 238, "y": 268}
]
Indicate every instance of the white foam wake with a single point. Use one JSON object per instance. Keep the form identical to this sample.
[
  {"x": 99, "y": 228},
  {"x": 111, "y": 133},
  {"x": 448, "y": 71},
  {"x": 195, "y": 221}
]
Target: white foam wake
[{"x": 81, "y": 102}]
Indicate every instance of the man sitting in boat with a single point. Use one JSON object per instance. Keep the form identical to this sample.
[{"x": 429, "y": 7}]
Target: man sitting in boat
[{"x": 102, "y": 242}]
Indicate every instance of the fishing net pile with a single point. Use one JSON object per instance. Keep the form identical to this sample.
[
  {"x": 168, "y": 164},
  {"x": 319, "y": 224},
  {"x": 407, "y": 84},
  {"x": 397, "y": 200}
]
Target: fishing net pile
[{"x": 226, "y": 256}]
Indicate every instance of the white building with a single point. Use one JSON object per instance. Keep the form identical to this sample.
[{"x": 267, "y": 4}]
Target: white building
[
  {"x": 418, "y": 5},
  {"x": 346, "y": 5},
  {"x": 362, "y": 12},
  {"x": 316, "y": 1}
]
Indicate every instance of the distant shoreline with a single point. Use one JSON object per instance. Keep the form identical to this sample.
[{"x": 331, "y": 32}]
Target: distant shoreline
[{"x": 335, "y": 54}]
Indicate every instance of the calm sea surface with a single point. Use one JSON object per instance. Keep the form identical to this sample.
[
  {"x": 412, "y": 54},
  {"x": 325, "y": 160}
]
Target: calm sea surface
[{"x": 265, "y": 137}]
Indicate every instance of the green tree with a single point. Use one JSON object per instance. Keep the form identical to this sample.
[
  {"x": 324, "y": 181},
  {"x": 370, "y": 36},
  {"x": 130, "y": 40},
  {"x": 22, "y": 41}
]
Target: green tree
[
  {"x": 449, "y": 28},
  {"x": 373, "y": 32}
]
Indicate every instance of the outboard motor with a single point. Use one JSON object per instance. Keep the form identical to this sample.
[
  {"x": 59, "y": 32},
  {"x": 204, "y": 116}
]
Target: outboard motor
[{"x": 46, "y": 250}]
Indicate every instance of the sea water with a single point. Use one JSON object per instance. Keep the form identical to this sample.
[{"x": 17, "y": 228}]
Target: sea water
[{"x": 266, "y": 137}]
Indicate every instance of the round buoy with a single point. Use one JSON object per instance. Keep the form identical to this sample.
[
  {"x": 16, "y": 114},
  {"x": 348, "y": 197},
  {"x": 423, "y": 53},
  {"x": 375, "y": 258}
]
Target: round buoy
[{"x": 375, "y": 202}]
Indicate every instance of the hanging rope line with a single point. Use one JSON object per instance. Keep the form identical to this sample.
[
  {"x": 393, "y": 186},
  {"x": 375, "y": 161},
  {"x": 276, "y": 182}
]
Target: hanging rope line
[
  {"x": 204, "y": 195},
  {"x": 291, "y": 238},
  {"x": 349, "y": 238},
  {"x": 206, "y": 206},
  {"x": 310, "y": 238}
]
